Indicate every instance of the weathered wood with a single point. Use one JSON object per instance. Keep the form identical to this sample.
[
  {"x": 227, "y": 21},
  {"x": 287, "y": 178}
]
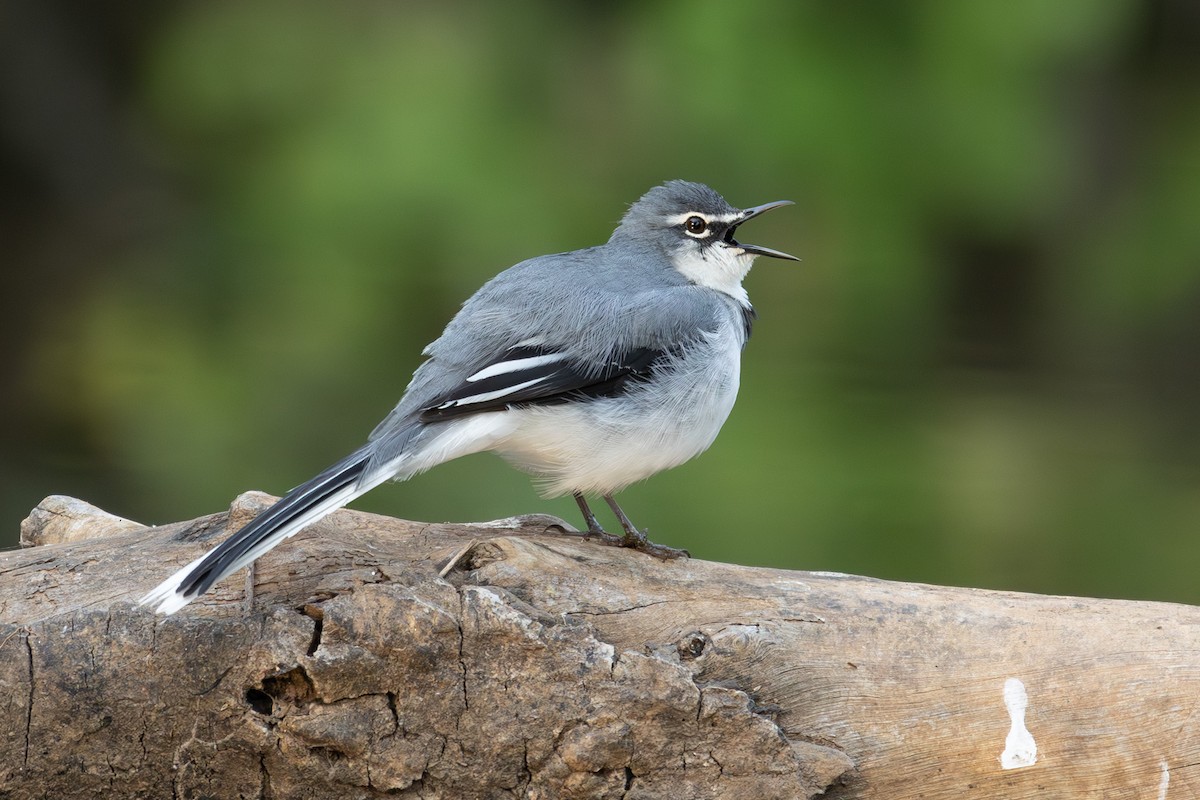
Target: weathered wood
[{"x": 545, "y": 666}]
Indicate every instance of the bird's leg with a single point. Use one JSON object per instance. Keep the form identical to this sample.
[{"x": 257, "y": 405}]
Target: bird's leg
[
  {"x": 593, "y": 526},
  {"x": 637, "y": 539}
]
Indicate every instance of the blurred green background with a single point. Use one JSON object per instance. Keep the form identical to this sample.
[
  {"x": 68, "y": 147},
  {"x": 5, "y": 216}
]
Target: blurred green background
[{"x": 230, "y": 227}]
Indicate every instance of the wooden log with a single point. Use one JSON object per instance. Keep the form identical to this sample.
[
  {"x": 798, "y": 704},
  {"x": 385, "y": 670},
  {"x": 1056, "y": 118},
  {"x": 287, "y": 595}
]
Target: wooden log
[{"x": 382, "y": 657}]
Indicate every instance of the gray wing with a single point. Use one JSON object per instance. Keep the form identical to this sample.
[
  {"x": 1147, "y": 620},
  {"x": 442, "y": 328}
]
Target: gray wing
[{"x": 555, "y": 328}]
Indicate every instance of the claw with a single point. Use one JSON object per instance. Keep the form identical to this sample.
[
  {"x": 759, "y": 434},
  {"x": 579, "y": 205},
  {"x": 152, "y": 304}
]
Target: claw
[{"x": 633, "y": 538}]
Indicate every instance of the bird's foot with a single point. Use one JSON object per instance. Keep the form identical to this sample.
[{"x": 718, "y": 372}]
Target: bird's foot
[
  {"x": 636, "y": 540},
  {"x": 603, "y": 536},
  {"x": 633, "y": 538}
]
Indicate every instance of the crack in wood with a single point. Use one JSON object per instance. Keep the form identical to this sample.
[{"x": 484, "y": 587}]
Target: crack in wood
[{"x": 29, "y": 699}]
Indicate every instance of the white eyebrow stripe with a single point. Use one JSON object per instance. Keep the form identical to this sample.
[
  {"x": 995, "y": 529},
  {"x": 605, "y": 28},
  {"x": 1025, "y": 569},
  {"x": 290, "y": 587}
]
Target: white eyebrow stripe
[
  {"x": 515, "y": 365},
  {"x": 679, "y": 219},
  {"x": 484, "y": 397}
]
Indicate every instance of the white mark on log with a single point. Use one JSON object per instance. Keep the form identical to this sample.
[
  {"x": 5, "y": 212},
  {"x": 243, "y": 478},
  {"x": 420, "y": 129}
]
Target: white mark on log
[
  {"x": 1019, "y": 748},
  {"x": 1164, "y": 781}
]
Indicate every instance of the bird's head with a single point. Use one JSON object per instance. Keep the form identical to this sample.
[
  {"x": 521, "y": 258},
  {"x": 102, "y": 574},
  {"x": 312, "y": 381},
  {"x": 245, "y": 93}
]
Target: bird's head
[{"x": 695, "y": 227}]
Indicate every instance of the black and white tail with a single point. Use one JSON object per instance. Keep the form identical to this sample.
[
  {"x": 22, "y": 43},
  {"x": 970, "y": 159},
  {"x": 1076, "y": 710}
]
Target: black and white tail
[{"x": 302, "y": 506}]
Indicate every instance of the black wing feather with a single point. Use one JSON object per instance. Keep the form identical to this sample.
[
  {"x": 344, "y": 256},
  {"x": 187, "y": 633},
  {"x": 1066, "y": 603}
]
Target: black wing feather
[{"x": 555, "y": 382}]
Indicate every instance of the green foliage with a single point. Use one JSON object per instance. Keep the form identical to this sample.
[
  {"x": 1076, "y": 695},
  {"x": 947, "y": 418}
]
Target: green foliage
[{"x": 983, "y": 372}]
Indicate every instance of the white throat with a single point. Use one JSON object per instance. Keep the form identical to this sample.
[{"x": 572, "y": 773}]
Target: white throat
[{"x": 718, "y": 267}]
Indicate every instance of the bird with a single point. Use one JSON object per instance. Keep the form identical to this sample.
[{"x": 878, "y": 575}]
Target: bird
[{"x": 591, "y": 370}]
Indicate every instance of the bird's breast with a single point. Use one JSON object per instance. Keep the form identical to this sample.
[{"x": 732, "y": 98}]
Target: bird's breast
[{"x": 602, "y": 445}]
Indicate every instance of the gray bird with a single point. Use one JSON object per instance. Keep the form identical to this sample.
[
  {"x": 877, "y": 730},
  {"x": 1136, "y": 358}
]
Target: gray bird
[{"x": 592, "y": 370}]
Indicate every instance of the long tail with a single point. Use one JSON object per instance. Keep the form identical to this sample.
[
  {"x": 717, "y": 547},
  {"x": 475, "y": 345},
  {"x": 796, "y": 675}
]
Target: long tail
[{"x": 302, "y": 506}]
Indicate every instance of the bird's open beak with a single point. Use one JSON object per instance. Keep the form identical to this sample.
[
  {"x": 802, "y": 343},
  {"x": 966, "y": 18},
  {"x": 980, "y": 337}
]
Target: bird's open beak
[{"x": 754, "y": 249}]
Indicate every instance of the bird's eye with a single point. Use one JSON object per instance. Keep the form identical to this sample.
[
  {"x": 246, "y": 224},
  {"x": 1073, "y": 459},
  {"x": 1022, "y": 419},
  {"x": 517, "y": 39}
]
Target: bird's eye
[{"x": 696, "y": 225}]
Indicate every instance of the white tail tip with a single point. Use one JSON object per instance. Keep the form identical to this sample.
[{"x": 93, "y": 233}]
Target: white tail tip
[{"x": 167, "y": 594}]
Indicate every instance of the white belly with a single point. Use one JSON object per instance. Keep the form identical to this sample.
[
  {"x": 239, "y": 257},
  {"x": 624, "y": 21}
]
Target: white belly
[{"x": 601, "y": 446}]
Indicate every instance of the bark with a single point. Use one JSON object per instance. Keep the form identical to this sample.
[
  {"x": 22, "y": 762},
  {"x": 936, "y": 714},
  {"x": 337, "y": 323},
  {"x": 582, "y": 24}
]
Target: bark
[{"x": 540, "y": 665}]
